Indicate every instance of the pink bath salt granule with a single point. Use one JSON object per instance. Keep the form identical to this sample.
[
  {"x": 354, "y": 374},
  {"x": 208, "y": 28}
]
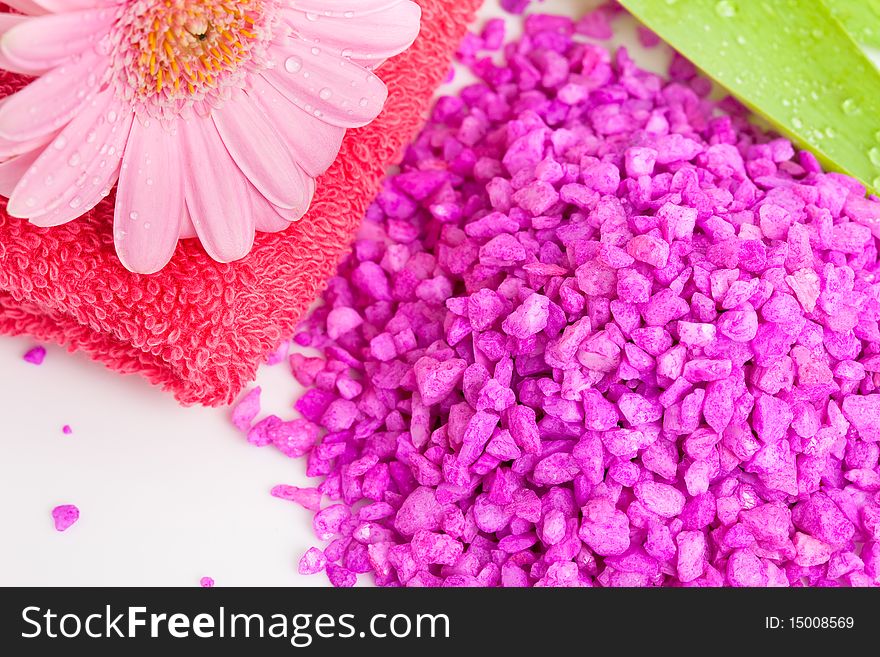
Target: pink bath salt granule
[
  {"x": 308, "y": 498},
  {"x": 35, "y": 356},
  {"x": 313, "y": 561},
  {"x": 64, "y": 516},
  {"x": 206, "y": 582},
  {"x": 598, "y": 331},
  {"x": 247, "y": 408}
]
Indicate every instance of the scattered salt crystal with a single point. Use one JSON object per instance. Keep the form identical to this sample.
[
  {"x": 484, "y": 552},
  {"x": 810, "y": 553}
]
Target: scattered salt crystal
[
  {"x": 35, "y": 356},
  {"x": 64, "y": 516}
]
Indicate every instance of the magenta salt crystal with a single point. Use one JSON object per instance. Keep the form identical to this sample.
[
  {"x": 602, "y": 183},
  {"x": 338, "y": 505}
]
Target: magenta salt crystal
[
  {"x": 595, "y": 333},
  {"x": 64, "y": 516},
  {"x": 313, "y": 561},
  {"x": 35, "y": 356},
  {"x": 246, "y": 410},
  {"x": 308, "y": 498}
]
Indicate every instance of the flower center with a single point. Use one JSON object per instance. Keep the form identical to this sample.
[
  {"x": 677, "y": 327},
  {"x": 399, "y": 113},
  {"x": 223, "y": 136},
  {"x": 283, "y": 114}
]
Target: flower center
[{"x": 169, "y": 55}]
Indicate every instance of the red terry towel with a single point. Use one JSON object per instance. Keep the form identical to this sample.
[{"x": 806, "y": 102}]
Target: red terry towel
[{"x": 199, "y": 328}]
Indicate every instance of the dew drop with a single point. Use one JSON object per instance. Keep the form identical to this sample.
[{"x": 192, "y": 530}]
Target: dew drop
[
  {"x": 316, "y": 51},
  {"x": 797, "y": 123},
  {"x": 75, "y": 160},
  {"x": 293, "y": 64},
  {"x": 60, "y": 143},
  {"x": 849, "y": 107},
  {"x": 76, "y": 202},
  {"x": 363, "y": 102},
  {"x": 874, "y": 156},
  {"x": 725, "y": 9},
  {"x": 325, "y": 94},
  {"x": 112, "y": 116},
  {"x": 134, "y": 216}
]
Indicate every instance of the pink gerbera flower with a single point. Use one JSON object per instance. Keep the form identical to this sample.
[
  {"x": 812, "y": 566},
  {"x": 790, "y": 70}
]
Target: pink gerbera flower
[{"x": 215, "y": 116}]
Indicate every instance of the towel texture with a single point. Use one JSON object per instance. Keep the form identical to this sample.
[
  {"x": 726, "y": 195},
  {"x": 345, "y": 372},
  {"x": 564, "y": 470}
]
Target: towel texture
[{"x": 199, "y": 328}]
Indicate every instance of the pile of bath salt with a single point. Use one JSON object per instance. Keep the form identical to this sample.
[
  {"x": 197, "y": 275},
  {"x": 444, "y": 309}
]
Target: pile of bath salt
[{"x": 595, "y": 333}]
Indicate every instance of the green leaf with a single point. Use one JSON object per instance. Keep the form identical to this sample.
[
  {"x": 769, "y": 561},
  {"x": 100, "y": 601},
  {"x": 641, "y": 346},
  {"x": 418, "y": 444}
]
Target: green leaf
[
  {"x": 861, "y": 18},
  {"x": 789, "y": 61}
]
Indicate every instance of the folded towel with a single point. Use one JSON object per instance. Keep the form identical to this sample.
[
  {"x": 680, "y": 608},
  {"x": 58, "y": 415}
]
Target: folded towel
[{"x": 199, "y": 328}]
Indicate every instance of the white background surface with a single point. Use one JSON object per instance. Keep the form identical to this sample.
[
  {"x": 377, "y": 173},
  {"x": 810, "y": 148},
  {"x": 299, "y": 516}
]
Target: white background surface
[{"x": 167, "y": 494}]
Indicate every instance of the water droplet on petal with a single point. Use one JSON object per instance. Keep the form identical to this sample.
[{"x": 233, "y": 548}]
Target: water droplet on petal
[
  {"x": 325, "y": 94},
  {"x": 293, "y": 64}
]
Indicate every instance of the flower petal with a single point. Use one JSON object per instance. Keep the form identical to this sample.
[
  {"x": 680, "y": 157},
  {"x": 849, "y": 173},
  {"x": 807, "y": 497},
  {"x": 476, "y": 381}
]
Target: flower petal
[
  {"x": 367, "y": 39},
  {"x": 344, "y": 8},
  {"x": 261, "y": 155},
  {"x": 216, "y": 193},
  {"x": 51, "y": 101},
  {"x": 28, "y": 7},
  {"x": 314, "y": 144},
  {"x": 48, "y": 41},
  {"x": 7, "y": 22},
  {"x": 187, "y": 228},
  {"x": 266, "y": 216},
  {"x": 149, "y": 199},
  {"x": 12, "y": 170},
  {"x": 78, "y": 168},
  {"x": 10, "y": 148},
  {"x": 329, "y": 86},
  {"x": 61, "y": 6}
]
